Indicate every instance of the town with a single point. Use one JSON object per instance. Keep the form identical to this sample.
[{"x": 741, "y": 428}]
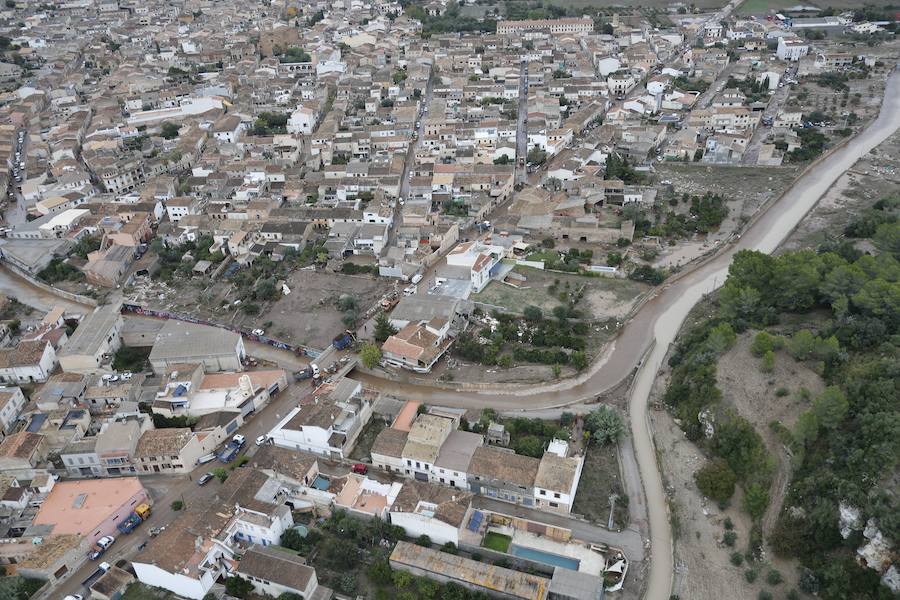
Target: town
[{"x": 338, "y": 299}]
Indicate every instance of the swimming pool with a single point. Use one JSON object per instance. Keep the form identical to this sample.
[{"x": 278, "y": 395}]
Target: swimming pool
[{"x": 547, "y": 558}]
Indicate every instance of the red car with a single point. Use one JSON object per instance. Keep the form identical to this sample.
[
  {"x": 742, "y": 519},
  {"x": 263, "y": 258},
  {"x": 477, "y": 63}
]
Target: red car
[{"x": 360, "y": 469}]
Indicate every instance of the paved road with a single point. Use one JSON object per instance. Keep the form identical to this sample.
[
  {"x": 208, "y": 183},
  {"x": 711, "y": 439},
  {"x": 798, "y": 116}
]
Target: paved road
[
  {"x": 659, "y": 319},
  {"x": 164, "y": 489},
  {"x": 521, "y": 175}
]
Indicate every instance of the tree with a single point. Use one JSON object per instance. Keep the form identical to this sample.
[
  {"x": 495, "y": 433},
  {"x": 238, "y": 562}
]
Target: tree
[
  {"x": 768, "y": 362},
  {"x": 370, "y": 355},
  {"x": 380, "y": 572},
  {"x": 424, "y": 540},
  {"x": 579, "y": 360},
  {"x": 383, "y": 328},
  {"x": 605, "y": 425},
  {"x": 716, "y": 480},
  {"x": 830, "y": 407},
  {"x": 536, "y": 156},
  {"x": 177, "y": 505},
  {"x": 762, "y": 344},
  {"x": 756, "y": 499},
  {"x": 169, "y": 130},
  {"x": 220, "y": 473},
  {"x": 238, "y": 587},
  {"x": 533, "y": 313}
]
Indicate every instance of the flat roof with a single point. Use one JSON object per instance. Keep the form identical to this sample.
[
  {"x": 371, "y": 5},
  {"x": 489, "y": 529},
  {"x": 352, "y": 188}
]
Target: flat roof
[
  {"x": 182, "y": 341},
  {"x": 78, "y": 507}
]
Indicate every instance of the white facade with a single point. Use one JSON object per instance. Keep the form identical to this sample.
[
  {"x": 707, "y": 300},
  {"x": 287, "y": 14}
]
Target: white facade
[
  {"x": 416, "y": 524},
  {"x": 38, "y": 371},
  {"x": 183, "y": 585},
  {"x": 302, "y": 121},
  {"x": 12, "y": 402},
  {"x": 791, "y": 49}
]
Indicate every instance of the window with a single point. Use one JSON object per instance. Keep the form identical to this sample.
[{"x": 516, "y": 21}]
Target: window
[
  {"x": 543, "y": 493},
  {"x": 554, "y": 505}
]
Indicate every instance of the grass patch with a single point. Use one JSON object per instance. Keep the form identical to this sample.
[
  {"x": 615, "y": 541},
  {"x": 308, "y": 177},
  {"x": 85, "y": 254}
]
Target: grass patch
[
  {"x": 496, "y": 541},
  {"x": 139, "y": 591},
  {"x": 362, "y": 450},
  {"x": 131, "y": 359}
]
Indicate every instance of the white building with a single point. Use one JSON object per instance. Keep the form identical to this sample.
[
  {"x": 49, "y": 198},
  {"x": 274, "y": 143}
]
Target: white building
[
  {"x": 29, "y": 362},
  {"x": 302, "y": 121},
  {"x": 479, "y": 258},
  {"x": 425, "y": 509},
  {"x": 557, "y": 478},
  {"x": 791, "y": 49},
  {"x": 11, "y": 402},
  {"x": 274, "y": 573}
]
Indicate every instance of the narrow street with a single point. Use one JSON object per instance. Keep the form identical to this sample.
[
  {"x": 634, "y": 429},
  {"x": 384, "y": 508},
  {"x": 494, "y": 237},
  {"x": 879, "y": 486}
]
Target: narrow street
[
  {"x": 165, "y": 489},
  {"x": 522, "y": 125}
]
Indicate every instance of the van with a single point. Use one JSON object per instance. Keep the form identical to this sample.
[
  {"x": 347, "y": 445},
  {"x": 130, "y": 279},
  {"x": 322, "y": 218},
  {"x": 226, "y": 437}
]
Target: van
[{"x": 416, "y": 278}]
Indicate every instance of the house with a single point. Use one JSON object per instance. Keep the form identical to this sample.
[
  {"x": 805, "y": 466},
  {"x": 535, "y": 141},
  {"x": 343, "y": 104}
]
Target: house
[
  {"x": 90, "y": 508},
  {"x": 302, "y": 121},
  {"x": 117, "y": 443},
  {"x": 29, "y": 362},
  {"x": 12, "y": 400},
  {"x": 105, "y": 268},
  {"x": 557, "y": 478},
  {"x": 387, "y": 449},
  {"x": 330, "y": 425},
  {"x": 425, "y": 509},
  {"x": 95, "y": 340},
  {"x": 274, "y": 572},
  {"x": 791, "y": 48},
  {"x": 423, "y": 444},
  {"x": 22, "y": 452},
  {"x": 504, "y": 475},
  {"x": 452, "y": 463},
  {"x": 112, "y": 584},
  {"x": 199, "y": 546},
  {"x": 480, "y": 258},
  {"x": 61, "y": 389},
  {"x": 418, "y": 346},
  {"x": 216, "y": 348},
  {"x": 228, "y": 128},
  {"x": 175, "y": 450}
]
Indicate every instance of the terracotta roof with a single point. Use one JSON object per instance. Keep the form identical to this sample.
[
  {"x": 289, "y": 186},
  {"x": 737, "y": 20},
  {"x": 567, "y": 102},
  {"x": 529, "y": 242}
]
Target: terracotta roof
[
  {"x": 390, "y": 442},
  {"x": 492, "y": 463},
  {"x": 25, "y": 353},
  {"x": 20, "y": 445},
  {"x": 277, "y": 566},
  {"x": 450, "y": 503},
  {"x": 162, "y": 442}
]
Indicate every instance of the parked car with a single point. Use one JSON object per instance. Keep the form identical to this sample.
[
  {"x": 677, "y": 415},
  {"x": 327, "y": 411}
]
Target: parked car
[
  {"x": 239, "y": 439},
  {"x": 360, "y": 469},
  {"x": 205, "y": 478},
  {"x": 261, "y": 440},
  {"x": 106, "y": 541},
  {"x": 74, "y": 597},
  {"x": 258, "y": 332}
]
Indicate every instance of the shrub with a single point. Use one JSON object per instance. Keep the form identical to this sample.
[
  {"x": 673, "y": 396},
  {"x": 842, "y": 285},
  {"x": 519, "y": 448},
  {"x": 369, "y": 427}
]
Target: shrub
[
  {"x": 764, "y": 595},
  {"x": 729, "y": 538},
  {"x": 177, "y": 505},
  {"x": 716, "y": 480},
  {"x": 737, "y": 559},
  {"x": 728, "y": 524},
  {"x": 773, "y": 577},
  {"x": 424, "y": 540},
  {"x": 750, "y": 575}
]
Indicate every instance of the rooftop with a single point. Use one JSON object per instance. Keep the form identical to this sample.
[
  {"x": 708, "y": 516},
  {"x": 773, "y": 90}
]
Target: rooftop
[
  {"x": 512, "y": 584},
  {"x": 557, "y": 473},
  {"x": 160, "y": 442},
  {"x": 390, "y": 442},
  {"x": 78, "y": 507},
  {"x": 93, "y": 331},
  {"x": 502, "y": 465},
  {"x": 277, "y": 566},
  {"x": 182, "y": 341}
]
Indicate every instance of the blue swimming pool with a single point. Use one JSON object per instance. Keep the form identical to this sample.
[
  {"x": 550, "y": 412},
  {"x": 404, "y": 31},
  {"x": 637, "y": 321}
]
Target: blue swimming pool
[{"x": 547, "y": 558}]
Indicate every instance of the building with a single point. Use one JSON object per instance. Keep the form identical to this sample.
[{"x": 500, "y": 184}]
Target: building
[
  {"x": 90, "y": 508},
  {"x": 94, "y": 341},
  {"x": 504, "y": 475},
  {"x": 425, "y": 509},
  {"x": 479, "y": 258},
  {"x": 11, "y": 402},
  {"x": 330, "y": 425},
  {"x": 557, "y": 478},
  {"x": 174, "y": 450},
  {"x": 30, "y": 361},
  {"x": 423, "y": 444},
  {"x": 274, "y": 572},
  {"x": 452, "y": 463},
  {"x": 21, "y": 453},
  {"x": 791, "y": 49},
  {"x": 387, "y": 450},
  {"x": 497, "y": 582},
  {"x": 216, "y": 348},
  {"x": 581, "y": 25},
  {"x": 199, "y": 546}
]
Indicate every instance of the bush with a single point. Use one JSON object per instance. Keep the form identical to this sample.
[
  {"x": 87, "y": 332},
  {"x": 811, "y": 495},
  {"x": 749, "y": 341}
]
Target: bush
[
  {"x": 220, "y": 473},
  {"x": 750, "y": 575},
  {"x": 728, "y": 524},
  {"x": 764, "y": 595},
  {"x": 737, "y": 559},
  {"x": 604, "y": 424},
  {"x": 716, "y": 480},
  {"x": 177, "y": 505},
  {"x": 424, "y": 540},
  {"x": 773, "y": 577},
  {"x": 238, "y": 587},
  {"x": 729, "y": 538}
]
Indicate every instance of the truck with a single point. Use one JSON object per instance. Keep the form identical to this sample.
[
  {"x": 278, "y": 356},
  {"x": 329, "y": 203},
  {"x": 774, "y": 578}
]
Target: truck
[
  {"x": 229, "y": 452},
  {"x": 342, "y": 341},
  {"x": 130, "y": 523},
  {"x": 103, "y": 568},
  {"x": 143, "y": 511}
]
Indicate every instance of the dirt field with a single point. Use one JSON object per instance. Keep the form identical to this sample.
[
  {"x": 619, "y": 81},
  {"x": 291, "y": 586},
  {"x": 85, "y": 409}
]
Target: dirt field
[
  {"x": 308, "y": 315},
  {"x": 599, "y": 481},
  {"x": 605, "y": 297},
  {"x": 762, "y": 7},
  {"x": 871, "y": 178},
  {"x": 703, "y": 567}
]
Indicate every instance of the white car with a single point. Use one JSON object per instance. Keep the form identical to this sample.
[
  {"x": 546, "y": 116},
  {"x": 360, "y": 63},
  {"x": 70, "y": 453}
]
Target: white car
[
  {"x": 261, "y": 440},
  {"x": 127, "y": 375},
  {"x": 74, "y": 597},
  {"x": 239, "y": 439},
  {"x": 258, "y": 332},
  {"x": 106, "y": 541}
]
